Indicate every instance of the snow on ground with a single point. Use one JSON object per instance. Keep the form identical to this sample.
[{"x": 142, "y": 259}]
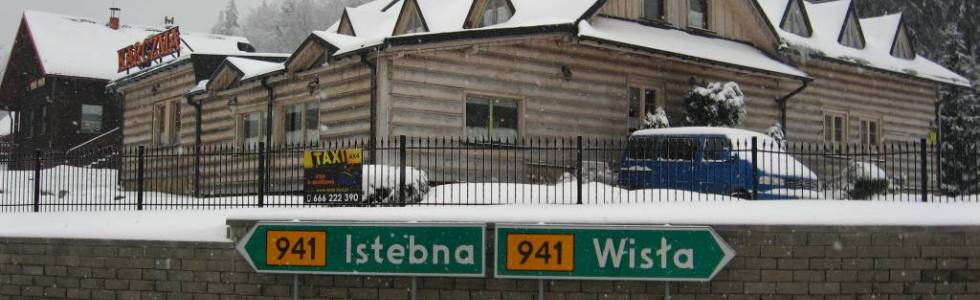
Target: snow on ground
[{"x": 203, "y": 226}]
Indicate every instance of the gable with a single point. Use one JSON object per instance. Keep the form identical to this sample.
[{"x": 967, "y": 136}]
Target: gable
[
  {"x": 795, "y": 19},
  {"x": 226, "y": 75},
  {"x": 311, "y": 51},
  {"x": 410, "y": 19},
  {"x": 851, "y": 34},
  {"x": 902, "y": 46},
  {"x": 345, "y": 26}
]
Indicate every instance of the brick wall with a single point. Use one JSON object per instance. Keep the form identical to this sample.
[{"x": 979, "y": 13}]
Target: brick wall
[{"x": 772, "y": 263}]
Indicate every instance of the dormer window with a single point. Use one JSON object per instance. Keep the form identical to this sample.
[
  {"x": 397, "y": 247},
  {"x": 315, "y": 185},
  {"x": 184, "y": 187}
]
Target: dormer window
[
  {"x": 345, "y": 26},
  {"x": 795, "y": 19},
  {"x": 496, "y": 12},
  {"x": 653, "y": 10},
  {"x": 697, "y": 14},
  {"x": 902, "y": 46},
  {"x": 852, "y": 35},
  {"x": 410, "y": 20}
]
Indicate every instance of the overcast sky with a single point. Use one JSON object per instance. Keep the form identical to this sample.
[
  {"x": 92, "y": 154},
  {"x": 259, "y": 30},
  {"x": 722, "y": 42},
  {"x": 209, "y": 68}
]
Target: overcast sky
[{"x": 191, "y": 15}]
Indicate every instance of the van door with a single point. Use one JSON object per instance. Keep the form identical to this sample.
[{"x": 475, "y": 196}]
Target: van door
[
  {"x": 637, "y": 170},
  {"x": 676, "y": 159},
  {"x": 718, "y": 167}
]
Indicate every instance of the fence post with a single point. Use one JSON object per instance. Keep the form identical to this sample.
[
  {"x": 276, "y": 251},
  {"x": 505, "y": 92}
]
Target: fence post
[
  {"x": 755, "y": 168},
  {"x": 924, "y": 162},
  {"x": 37, "y": 180},
  {"x": 140, "y": 177},
  {"x": 401, "y": 169},
  {"x": 578, "y": 170},
  {"x": 262, "y": 174}
]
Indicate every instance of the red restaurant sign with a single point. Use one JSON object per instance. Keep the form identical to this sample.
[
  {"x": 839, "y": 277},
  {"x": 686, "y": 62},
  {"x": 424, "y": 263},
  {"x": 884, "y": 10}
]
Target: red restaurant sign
[{"x": 143, "y": 53}]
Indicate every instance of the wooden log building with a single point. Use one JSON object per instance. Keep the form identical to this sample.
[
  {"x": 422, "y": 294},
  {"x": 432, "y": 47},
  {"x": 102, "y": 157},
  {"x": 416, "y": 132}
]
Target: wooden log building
[{"x": 511, "y": 69}]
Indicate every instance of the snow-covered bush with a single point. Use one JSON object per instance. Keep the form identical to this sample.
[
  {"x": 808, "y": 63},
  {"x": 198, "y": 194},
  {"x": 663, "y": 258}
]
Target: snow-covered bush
[
  {"x": 380, "y": 184},
  {"x": 592, "y": 171},
  {"x": 866, "y": 180},
  {"x": 656, "y": 120},
  {"x": 717, "y": 105},
  {"x": 776, "y": 133}
]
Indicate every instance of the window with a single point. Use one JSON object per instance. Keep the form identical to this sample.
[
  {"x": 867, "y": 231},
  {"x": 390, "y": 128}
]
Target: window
[
  {"x": 902, "y": 47},
  {"x": 851, "y": 36},
  {"x": 91, "y": 119},
  {"x": 159, "y": 124},
  {"x": 491, "y": 118},
  {"x": 795, "y": 20},
  {"x": 174, "y": 130},
  {"x": 697, "y": 14},
  {"x": 410, "y": 20},
  {"x": 653, "y": 10},
  {"x": 642, "y": 149},
  {"x": 642, "y": 101},
  {"x": 252, "y": 128},
  {"x": 835, "y": 128},
  {"x": 678, "y": 149},
  {"x": 301, "y": 123},
  {"x": 496, "y": 12},
  {"x": 715, "y": 147},
  {"x": 870, "y": 133}
]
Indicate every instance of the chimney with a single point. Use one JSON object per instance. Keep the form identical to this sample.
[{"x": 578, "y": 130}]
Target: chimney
[{"x": 114, "y": 18}]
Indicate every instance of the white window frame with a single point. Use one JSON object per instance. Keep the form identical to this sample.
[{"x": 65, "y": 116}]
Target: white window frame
[
  {"x": 641, "y": 105},
  {"x": 307, "y": 135},
  {"x": 705, "y": 18},
  {"x": 518, "y": 102},
  {"x": 491, "y": 8},
  {"x": 866, "y": 138},
  {"x": 243, "y": 139},
  {"x": 830, "y": 129},
  {"x": 101, "y": 113}
]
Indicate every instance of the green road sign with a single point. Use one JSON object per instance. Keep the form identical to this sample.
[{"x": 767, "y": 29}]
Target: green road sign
[
  {"x": 662, "y": 253},
  {"x": 385, "y": 249}
]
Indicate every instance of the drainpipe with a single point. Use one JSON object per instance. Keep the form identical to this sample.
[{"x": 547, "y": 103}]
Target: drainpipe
[
  {"x": 782, "y": 105},
  {"x": 198, "y": 112},
  {"x": 268, "y": 113},
  {"x": 373, "y": 140}
]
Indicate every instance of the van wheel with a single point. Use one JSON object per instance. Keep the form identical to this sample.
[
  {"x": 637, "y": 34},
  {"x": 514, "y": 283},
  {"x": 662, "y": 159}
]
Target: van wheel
[{"x": 741, "y": 194}]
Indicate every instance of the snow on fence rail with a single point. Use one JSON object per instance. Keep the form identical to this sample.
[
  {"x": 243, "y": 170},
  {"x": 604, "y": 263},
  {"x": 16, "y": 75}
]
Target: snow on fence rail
[{"x": 462, "y": 171}]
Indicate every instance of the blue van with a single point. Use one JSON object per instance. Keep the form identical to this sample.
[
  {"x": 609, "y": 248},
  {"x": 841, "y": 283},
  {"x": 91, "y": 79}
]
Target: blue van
[{"x": 714, "y": 161}]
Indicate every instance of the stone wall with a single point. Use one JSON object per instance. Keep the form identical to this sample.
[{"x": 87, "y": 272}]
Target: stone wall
[{"x": 785, "y": 262}]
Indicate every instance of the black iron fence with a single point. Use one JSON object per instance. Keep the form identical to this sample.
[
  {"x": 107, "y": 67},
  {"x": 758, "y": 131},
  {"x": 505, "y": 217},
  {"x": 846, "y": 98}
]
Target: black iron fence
[{"x": 460, "y": 171}]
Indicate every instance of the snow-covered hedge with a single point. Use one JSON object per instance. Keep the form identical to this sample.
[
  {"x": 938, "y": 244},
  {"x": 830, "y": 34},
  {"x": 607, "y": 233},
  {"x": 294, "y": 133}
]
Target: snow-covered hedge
[
  {"x": 866, "y": 180},
  {"x": 380, "y": 184}
]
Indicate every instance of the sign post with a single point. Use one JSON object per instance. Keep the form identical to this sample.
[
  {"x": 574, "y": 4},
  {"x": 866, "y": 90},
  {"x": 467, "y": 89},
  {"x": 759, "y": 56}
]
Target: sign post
[
  {"x": 367, "y": 249},
  {"x": 642, "y": 253},
  {"x": 332, "y": 177}
]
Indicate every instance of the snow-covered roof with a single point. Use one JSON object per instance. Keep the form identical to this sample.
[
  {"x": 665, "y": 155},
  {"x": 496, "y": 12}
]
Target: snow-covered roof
[
  {"x": 681, "y": 42},
  {"x": 731, "y": 133},
  {"x": 252, "y": 68},
  {"x": 374, "y": 25},
  {"x": 828, "y": 18},
  {"x": 81, "y": 47},
  {"x": 201, "y": 87}
]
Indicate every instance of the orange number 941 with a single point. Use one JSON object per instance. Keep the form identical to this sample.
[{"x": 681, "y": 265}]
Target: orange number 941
[
  {"x": 541, "y": 252},
  {"x": 296, "y": 248}
]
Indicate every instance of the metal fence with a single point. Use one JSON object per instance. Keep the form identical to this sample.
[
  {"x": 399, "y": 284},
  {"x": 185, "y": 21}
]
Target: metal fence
[{"x": 460, "y": 171}]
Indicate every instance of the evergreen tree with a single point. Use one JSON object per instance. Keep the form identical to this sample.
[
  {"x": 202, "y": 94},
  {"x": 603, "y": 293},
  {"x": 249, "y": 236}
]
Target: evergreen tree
[
  {"x": 280, "y": 26},
  {"x": 717, "y": 105},
  {"x": 228, "y": 21},
  {"x": 776, "y": 133},
  {"x": 959, "y": 117},
  {"x": 656, "y": 120}
]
